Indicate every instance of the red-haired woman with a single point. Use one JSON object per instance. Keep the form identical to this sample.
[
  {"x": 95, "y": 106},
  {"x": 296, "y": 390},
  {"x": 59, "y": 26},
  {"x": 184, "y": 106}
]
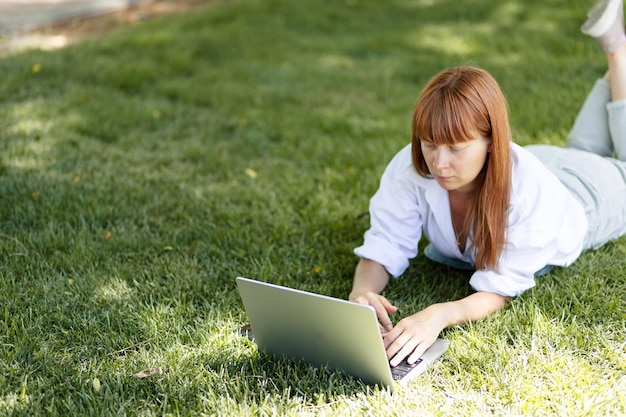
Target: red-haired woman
[{"x": 487, "y": 204}]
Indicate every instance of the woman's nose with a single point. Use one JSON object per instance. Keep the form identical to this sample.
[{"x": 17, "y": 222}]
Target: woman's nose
[{"x": 442, "y": 158}]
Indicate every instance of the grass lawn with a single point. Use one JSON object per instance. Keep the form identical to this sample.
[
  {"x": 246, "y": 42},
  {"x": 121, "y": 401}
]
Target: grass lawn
[{"x": 142, "y": 171}]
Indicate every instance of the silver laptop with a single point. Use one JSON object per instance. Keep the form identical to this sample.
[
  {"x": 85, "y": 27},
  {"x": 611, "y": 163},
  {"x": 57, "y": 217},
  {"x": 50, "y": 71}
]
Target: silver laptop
[{"x": 325, "y": 331}]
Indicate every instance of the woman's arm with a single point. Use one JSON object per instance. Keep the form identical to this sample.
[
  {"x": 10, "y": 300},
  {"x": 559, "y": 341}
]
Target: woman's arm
[
  {"x": 414, "y": 334},
  {"x": 370, "y": 278},
  {"x": 474, "y": 307}
]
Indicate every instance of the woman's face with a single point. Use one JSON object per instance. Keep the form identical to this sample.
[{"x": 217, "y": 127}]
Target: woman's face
[{"x": 455, "y": 167}]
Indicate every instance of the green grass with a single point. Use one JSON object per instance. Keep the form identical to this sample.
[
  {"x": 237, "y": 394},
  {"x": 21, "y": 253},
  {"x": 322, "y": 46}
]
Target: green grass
[{"x": 142, "y": 171}]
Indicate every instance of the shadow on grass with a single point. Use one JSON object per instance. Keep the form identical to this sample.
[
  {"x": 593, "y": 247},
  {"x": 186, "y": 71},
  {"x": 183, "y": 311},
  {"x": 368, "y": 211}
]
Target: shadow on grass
[{"x": 264, "y": 375}]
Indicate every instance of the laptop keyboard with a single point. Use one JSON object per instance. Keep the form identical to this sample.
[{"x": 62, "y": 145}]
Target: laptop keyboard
[{"x": 403, "y": 368}]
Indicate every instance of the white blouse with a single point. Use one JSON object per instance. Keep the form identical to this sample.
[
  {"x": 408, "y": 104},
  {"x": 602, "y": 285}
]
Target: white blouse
[{"x": 546, "y": 224}]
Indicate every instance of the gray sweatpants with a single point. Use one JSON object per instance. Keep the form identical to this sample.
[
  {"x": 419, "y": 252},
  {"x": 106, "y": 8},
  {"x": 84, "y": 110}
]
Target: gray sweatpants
[{"x": 588, "y": 166}]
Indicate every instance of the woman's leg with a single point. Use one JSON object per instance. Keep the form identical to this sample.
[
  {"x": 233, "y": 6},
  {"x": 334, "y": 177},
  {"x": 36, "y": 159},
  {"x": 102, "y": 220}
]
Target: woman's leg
[
  {"x": 600, "y": 126},
  {"x": 617, "y": 73},
  {"x": 600, "y": 182},
  {"x": 590, "y": 131},
  {"x": 617, "y": 108}
]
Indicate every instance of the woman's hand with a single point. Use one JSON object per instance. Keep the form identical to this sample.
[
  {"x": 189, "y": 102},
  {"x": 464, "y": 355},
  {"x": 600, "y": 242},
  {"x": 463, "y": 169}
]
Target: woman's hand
[
  {"x": 370, "y": 278},
  {"x": 381, "y": 305},
  {"x": 413, "y": 335}
]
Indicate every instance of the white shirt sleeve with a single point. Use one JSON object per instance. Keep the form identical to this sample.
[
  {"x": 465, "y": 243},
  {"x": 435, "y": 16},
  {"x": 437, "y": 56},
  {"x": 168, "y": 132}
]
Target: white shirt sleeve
[
  {"x": 546, "y": 226},
  {"x": 395, "y": 218}
]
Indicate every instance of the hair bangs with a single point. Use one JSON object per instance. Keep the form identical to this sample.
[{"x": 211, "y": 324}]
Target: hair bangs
[{"x": 447, "y": 118}]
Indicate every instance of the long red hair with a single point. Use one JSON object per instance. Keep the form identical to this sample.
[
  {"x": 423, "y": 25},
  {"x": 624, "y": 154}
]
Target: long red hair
[{"x": 458, "y": 105}]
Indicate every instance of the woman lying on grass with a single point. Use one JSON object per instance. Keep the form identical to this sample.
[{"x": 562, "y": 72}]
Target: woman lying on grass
[{"x": 485, "y": 203}]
